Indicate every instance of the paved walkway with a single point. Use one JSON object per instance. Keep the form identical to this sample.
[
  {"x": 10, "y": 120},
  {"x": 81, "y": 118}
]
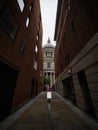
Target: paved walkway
[{"x": 39, "y": 115}]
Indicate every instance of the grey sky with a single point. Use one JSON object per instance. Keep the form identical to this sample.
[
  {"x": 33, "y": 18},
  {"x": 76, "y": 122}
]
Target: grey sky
[{"x": 48, "y": 12}]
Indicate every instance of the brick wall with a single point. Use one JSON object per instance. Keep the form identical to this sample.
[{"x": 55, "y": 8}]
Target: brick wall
[
  {"x": 74, "y": 33},
  {"x": 77, "y": 49},
  {"x": 10, "y": 49}
]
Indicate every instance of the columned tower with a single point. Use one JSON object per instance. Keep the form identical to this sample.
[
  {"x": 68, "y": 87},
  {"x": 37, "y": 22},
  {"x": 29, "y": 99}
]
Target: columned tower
[{"x": 48, "y": 68}]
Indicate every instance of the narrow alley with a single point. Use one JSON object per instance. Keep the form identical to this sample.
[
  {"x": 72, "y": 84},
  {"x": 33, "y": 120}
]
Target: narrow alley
[
  {"x": 48, "y": 47},
  {"x": 35, "y": 116}
]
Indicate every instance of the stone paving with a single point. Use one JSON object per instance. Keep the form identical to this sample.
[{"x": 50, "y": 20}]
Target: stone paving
[{"x": 36, "y": 117}]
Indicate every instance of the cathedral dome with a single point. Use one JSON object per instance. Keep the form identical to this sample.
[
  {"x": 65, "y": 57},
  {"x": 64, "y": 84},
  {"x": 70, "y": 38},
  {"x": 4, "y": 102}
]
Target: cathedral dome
[{"x": 49, "y": 44}]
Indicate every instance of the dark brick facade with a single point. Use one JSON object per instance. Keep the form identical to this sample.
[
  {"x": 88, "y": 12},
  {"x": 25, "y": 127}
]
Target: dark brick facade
[
  {"x": 20, "y": 33},
  {"x": 77, "y": 49},
  {"x": 80, "y": 27}
]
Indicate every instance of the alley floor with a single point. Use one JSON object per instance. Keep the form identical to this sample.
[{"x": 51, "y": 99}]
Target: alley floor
[{"x": 38, "y": 114}]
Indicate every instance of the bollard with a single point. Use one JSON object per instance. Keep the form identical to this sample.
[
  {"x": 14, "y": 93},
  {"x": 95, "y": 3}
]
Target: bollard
[{"x": 49, "y": 96}]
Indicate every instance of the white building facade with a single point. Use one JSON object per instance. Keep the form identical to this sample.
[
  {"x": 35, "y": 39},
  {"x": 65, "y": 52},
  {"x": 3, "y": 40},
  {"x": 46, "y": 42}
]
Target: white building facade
[{"x": 48, "y": 66}]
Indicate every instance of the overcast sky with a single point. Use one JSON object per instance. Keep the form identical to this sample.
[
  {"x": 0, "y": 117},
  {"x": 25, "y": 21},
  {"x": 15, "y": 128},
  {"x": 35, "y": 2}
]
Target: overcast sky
[{"x": 48, "y": 12}]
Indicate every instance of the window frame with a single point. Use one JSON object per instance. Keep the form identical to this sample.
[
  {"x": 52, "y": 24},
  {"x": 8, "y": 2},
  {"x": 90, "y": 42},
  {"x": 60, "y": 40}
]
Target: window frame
[
  {"x": 22, "y": 45},
  {"x": 27, "y": 22},
  {"x": 48, "y": 65},
  {"x": 5, "y": 25},
  {"x": 21, "y": 5}
]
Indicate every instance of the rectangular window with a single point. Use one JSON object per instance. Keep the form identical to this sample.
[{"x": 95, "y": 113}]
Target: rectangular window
[
  {"x": 38, "y": 26},
  {"x": 36, "y": 49},
  {"x": 48, "y": 65},
  {"x": 49, "y": 54},
  {"x": 35, "y": 65},
  {"x": 21, "y": 4},
  {"x": 31, "y": 6},
  {"x": 27, "y": 22},
  {"x": 8, "y": 23},
  {"x": 37, "y": 37},
  {"x": 22, "y": 46}
]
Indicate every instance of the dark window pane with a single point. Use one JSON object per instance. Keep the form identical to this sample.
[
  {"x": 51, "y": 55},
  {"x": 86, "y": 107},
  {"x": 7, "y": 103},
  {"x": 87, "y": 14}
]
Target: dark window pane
[
  {"x": 8, "y": 22},
  {"x": 48, "y": 65},
  {"x": 22, "y": 46}
]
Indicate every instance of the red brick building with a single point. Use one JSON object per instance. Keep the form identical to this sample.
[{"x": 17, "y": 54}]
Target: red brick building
[
  {"x": 76, "y": 53},
  {"x": 21, "y": 59}
]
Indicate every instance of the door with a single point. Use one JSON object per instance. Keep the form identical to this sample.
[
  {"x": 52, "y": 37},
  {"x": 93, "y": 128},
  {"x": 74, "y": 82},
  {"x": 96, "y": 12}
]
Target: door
[
  {"x": 69, "y": 89},
  {"x": 32, "y": 88},
  {"x": 85, "y": 90},
  {"x": 8, "y": 78}
]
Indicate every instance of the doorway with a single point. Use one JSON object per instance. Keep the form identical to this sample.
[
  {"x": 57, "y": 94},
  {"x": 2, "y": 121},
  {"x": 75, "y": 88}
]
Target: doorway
[
  {"x": 8, "y": 78},
  {"x": 68, "y": 88},
  {"x": 85, "y": 90},
  {"x": 33, "y": 88}
]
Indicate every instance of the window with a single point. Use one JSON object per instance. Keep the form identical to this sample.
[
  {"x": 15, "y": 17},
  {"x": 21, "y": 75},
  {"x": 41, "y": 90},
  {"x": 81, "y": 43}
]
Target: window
[
  {"x": 21, "y": 4},
  {"x": 22, "y": 46},
  {"x": 38, "y": 26},
  {"x": 48, "y": 65},
  {"x": 27, "y": 22},
  {"x": 36, "y": 49},
  {"x": 49, "y": 54},
  {"x": 35, "y": 65},
  {"x": 37, "y": 37},
  {"x": 31, "y": 6},
  {"x": 8, "y": 23}
]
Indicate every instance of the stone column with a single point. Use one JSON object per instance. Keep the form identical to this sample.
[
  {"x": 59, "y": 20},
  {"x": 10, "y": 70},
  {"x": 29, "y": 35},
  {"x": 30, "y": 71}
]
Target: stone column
[{"x": 50, "y": 79}]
